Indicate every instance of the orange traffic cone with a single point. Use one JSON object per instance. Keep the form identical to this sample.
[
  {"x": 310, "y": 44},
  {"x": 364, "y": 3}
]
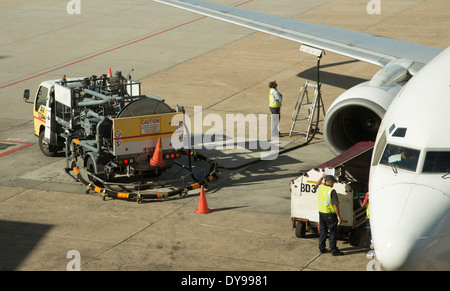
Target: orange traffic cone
[
  {"x": 109, "y": 73},
  {"x": 202, "y": 204},
  {"x": 157, "y": 159}
]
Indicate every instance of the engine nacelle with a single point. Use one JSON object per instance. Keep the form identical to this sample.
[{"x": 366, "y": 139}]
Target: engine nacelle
[{"x": 356, "y": 115}]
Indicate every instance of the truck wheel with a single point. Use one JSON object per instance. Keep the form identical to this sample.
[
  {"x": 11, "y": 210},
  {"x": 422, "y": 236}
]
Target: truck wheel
[
  {"x": 46, "y": 149},
  {"x": 91, "y": 168},
  {"x": 300, "y": 229}
]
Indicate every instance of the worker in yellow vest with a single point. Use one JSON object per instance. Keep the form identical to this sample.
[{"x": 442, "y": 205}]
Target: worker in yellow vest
[
  {"x": 275, "y": 99},
  {"x": 329, "y": 213},
  {"x": 365, "y": 204}
]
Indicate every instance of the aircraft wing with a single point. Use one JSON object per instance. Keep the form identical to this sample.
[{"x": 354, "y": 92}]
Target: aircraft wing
[{"x": 366, "y": 47}]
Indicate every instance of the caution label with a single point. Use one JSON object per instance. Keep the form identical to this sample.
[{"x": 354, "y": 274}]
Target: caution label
[{"x": 150, "y": 125}]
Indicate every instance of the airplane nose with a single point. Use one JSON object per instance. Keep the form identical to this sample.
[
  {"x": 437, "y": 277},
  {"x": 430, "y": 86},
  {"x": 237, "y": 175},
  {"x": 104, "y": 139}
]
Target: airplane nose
[
  {"x": 403, "y": 218},
  {"x": 394, "y": 250}
]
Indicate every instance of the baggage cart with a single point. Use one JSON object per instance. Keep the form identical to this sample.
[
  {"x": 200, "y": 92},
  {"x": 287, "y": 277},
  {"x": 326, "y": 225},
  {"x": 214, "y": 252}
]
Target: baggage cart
[{"x": 351, "y": 170}]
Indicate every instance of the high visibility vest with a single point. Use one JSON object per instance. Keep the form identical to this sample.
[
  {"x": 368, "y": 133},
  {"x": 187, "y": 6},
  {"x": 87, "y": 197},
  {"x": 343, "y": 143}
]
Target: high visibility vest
[
  {"x": 324, "y": 204},
  {"x": 367, "y": 207},
  {"x": 272, "y": 101}
]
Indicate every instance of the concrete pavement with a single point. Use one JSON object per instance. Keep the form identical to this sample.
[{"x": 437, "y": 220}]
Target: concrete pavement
[{"x": 188, "y": 60}]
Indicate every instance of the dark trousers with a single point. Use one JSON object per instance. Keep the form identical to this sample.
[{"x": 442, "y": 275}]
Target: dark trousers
[
  {"x": 328, "y": 222},
  {"x": 275, "y": 110}
]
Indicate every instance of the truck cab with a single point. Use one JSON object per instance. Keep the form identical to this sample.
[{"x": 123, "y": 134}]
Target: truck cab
[{"x": 44, "y": 120}]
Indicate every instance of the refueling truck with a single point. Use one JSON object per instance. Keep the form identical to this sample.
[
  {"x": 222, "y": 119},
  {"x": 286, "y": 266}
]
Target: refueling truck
[{"x": 107, "y": 126}]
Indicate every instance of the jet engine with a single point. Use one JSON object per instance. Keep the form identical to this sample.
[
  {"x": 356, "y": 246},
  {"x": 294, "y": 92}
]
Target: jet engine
[{"x": 356, "y": 115}]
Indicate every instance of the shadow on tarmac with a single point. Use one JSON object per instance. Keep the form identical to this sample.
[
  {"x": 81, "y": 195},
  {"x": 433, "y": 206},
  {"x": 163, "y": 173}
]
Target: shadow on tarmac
[
  {"x": 332, "y": 79},
  {"x": 17, "y": 240}
]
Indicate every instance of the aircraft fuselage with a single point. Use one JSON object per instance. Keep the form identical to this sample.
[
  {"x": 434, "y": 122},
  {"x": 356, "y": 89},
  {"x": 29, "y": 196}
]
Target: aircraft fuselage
[{"x": 410, "y": 174}]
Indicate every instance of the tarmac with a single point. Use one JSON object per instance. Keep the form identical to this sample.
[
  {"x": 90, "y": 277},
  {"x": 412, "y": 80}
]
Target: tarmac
[{"x": 48, "y": 222}]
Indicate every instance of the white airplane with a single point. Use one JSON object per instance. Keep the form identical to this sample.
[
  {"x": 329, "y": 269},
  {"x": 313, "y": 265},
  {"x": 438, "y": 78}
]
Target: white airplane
[{"x": 404, "y": 108}]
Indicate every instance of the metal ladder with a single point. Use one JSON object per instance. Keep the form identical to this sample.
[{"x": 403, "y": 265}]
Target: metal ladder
[{"x": 303, "y": 102}]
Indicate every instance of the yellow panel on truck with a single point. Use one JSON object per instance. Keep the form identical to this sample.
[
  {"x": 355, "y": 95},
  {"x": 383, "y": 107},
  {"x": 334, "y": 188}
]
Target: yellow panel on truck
[{"x": 139, "y": 134}]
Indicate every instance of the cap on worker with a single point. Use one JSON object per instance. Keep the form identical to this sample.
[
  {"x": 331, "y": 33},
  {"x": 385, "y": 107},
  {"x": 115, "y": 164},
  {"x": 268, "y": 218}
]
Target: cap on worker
[
  {"x": 330, "y": 178},
  {"x": 273, "y": 84}
]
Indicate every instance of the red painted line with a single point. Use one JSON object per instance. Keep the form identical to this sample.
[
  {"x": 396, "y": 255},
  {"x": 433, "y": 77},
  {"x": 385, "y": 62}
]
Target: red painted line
[
  {"x": 25, "y": 145},
  {"x": 144, "y": 135},
  {"x": 39, "y": 119},
  {"x": 113, "y": 49},
  {"x": 104, "y": 52},
  {"x": 237, "y": 5}
]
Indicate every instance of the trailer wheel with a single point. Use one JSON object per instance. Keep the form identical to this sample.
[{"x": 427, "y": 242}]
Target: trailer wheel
[
  {"x": 300, "y": 229},
  {"x": 91, "y": 168},
  {"x": 315, "y": 231},
  {"x": 353, "y": 238},
  {"x": 46, "y": 149}
]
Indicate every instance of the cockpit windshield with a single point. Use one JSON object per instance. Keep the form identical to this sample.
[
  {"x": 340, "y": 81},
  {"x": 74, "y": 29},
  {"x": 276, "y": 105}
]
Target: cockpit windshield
[
  {"x": 401, "y": 157},
  {"x": 437, "y": 162}
]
